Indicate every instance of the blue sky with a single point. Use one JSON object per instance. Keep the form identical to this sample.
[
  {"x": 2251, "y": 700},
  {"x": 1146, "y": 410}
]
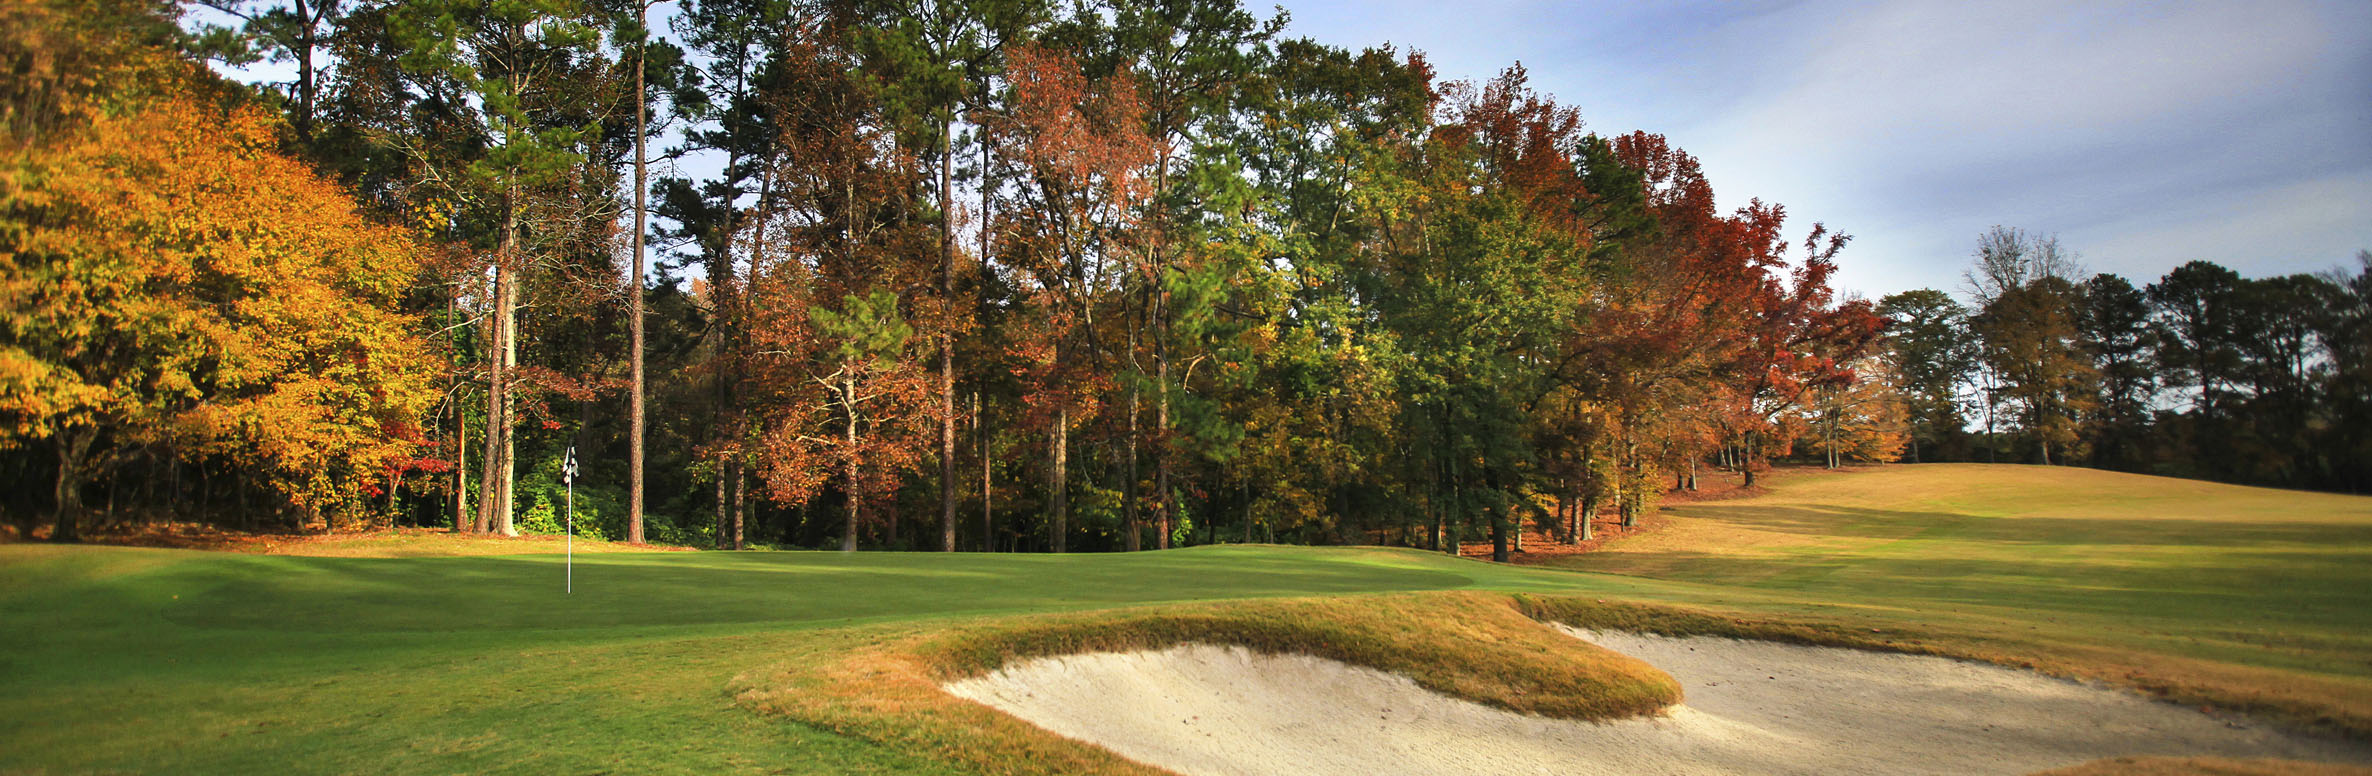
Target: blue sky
[{"x": 2144, "y": 134}]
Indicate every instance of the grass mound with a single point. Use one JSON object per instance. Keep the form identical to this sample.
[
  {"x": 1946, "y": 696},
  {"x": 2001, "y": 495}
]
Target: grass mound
[
  {"x": 1475, "y": 646},
  {"x": 2205, "y": 766}
]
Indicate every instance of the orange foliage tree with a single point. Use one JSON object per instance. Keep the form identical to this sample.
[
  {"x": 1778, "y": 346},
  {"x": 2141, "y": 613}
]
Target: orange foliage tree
[
  {"x": 1071, "y": 233},
  {"x": 173, "y": 281}
]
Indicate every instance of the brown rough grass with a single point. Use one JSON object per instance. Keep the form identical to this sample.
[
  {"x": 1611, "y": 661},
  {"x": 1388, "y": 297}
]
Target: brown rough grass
[{"x": 1475, "y": 646}]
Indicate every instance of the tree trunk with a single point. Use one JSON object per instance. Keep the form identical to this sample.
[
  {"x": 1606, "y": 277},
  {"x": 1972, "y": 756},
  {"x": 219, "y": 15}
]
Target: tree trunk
[
  {"x": 494, "y": 507},
  {"x": 1570, "y": 502},
  {"x": 988, "y": 541},
  {"x": 1433, "y": 505},
  {"x": 1634, "y": 496},
  {"x": 1618, "y": 486},
  {"x": 1128, "y": 489},
  {"x": 987, "y": 515},
  {"x": 724, "y": 476},
  {"x": 74, "y": 448},
  {"x": 1165, "y": 509},
  {"x": 1246, "y": 488},
  {"x": 724, "y": 424},
  {"x": 308, "y": 18},
  {"x": 1746, "y": 460},
  {"x": 461, "y": 512},
  {"x": 1061, "y": 476},
  {"x": 1498, "y": 516},
  {"x": 856, "y": 499},
  {"x": 740, "y": 498},
  {"x": 507, "y": 501},
  {"x": 946, "y": 338},
  {"x": 634, "y": 293},
  {"x": 1161, "y": 360}
]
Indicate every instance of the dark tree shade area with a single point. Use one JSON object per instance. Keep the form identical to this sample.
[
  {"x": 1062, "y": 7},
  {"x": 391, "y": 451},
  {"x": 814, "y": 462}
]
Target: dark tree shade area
[{"x": 2201, "y": 373}]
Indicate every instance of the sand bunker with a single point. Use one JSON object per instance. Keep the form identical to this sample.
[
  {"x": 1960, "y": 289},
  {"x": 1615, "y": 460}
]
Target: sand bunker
[{"x": 1752, "y": 707}]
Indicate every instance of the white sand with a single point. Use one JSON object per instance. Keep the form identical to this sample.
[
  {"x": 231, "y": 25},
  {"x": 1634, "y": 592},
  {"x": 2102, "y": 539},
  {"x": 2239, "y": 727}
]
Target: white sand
[{"x": 1752, "y": 707}]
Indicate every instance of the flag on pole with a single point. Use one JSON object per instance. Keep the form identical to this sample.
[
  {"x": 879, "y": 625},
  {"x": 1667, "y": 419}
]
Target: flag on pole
[{"x": 568, "y": 475}]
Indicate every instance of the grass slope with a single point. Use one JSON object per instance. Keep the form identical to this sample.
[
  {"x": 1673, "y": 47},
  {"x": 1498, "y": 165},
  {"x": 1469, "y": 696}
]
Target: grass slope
[
  {"x": 2248, "y": 596},
  {"x": 126, "y": 659}
]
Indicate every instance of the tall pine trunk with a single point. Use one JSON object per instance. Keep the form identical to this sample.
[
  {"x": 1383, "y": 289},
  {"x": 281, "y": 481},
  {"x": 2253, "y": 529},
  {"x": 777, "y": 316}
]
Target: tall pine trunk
[
  {"x": 946, "y": 338},
  {"x": 494, "y": 492},
  {"x": 510, "y": 438},
  {"x": 988, "y": 540},
  {"x": 634, "y": 293},
  {"x": 1128, "y": 489},
  {"x": 461, "y": 513},
  {"x": 1166, "y": 509},
  {"x": 308, "y": 18}
]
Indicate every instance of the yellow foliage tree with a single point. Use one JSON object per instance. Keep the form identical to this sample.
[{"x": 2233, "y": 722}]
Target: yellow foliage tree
[{"x": 168, "y": 278}]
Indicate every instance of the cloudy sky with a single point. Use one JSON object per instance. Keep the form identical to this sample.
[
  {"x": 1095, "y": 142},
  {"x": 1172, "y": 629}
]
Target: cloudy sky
[{"x": 2145, "y": 134}]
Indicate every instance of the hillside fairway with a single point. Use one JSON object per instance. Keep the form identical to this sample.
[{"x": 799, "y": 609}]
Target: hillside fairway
[{"x": 2208, "y": 574}]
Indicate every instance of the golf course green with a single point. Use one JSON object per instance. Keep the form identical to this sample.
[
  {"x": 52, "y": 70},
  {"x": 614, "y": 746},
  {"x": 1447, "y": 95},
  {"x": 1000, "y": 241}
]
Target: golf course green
[{"x": 147, "y": 660}]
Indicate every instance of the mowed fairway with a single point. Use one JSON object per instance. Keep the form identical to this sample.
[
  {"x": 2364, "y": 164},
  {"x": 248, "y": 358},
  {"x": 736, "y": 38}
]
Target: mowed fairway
[
  {"x": 176, "y": 660},
  {"x": 144, "y": 660},
  {"x": 2270, "y": 579}
]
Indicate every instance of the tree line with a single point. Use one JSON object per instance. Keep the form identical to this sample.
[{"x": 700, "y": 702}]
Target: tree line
[
  {"x": 983, "y": 275},
  {"x": 2201, "y": 373}
]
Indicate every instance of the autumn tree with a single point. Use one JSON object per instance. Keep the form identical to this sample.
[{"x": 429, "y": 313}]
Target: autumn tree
[
  {"x": 926, "y": 61},
  {"x": 1864, "y": 420},
  {"x": 834, "y": 279},
  {"x": 2032, "y": 342},
  {"x": 1083, "y": 150},
  {"x": 173, "y": 281}
]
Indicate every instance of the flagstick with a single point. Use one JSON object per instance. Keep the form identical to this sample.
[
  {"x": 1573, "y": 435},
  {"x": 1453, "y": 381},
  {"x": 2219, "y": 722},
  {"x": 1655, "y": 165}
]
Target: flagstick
[{"x": 569, "y": 475}]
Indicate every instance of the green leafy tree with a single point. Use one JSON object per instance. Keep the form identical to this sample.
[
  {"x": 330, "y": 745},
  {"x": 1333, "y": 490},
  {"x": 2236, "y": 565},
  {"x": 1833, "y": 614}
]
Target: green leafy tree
[
  {"x": 2115, "y": 323},
  {"x": 506, "y": 60},
  {"x": 1932, "y": 351},
  {"x": 2197, "y": 344}
]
